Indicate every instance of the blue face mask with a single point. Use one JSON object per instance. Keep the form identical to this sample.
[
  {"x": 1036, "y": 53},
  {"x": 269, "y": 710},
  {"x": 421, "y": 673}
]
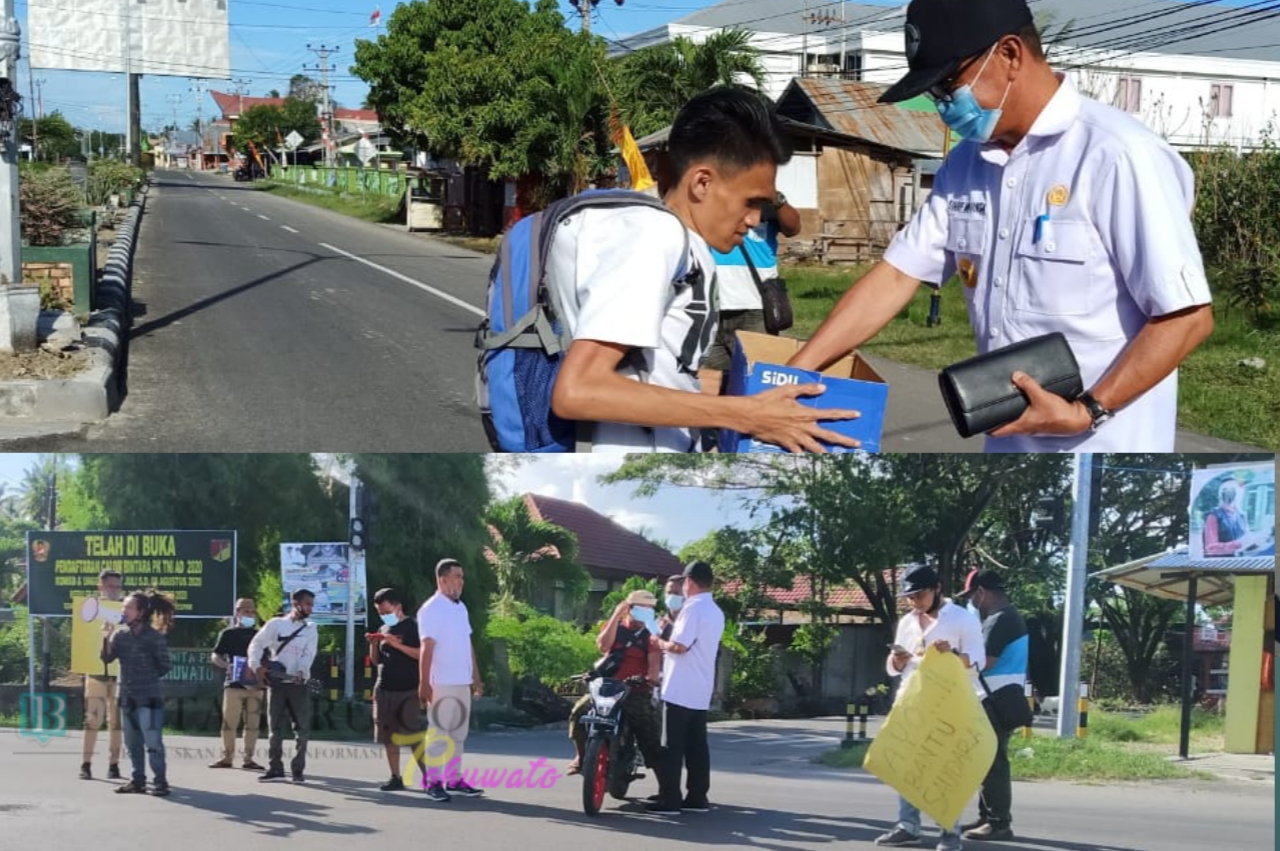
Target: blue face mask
[
  {"x": 645, "y": 617},
  {"x": 963, "y": 114},
  {"x": 674, "y": 603},
  {"x": 248, "y": 622},
  {"x": 391, "y": 619}
]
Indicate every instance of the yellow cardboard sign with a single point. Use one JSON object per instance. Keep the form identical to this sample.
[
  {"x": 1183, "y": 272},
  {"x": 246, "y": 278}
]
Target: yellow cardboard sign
[
  {"x": 88, "y": 616},
  {"x": 937, "y": 745}
]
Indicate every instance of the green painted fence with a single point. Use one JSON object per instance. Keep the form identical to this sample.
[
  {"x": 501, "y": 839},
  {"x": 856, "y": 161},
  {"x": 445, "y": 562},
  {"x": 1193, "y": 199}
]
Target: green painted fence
[{"x": 349, "y": 181}]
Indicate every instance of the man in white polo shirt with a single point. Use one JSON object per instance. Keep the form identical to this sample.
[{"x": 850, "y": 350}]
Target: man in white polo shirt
[
  {"x": 688, "y": 680},
  {"x": 1059, "y": 214},
  {"x": 933, "y": 621},
  {"x": 448, "y": 676}
]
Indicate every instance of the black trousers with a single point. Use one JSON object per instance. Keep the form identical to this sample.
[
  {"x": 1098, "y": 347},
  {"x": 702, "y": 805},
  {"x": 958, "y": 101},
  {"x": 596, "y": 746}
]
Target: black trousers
[
  {"x": 684, "y": 745},
  {"x": 995, "y": 805}
]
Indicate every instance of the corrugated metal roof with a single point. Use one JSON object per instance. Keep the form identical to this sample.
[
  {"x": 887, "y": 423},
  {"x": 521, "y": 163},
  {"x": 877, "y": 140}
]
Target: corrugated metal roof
[
  {"x": 825, "y": 135},
  {"x": 1166, "y": 575},
  {"x": 851, "y": 108}
]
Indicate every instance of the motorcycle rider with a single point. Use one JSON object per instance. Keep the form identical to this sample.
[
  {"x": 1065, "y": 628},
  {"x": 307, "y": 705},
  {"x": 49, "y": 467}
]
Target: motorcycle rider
[{"x": 624, "y": 641}]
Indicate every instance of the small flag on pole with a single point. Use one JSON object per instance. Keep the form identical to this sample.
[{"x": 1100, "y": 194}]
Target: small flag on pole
[{"x": 376, "y": 17}]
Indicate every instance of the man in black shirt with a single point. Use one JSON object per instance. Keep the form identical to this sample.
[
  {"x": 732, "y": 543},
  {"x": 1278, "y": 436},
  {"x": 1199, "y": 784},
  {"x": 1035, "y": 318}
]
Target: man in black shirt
[
  {"x": 242, "y": 695},
  {"x": 396, "y": 649}
]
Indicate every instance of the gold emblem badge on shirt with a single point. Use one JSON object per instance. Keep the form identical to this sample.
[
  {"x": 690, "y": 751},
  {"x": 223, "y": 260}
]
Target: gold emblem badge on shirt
[{"x": 1058, "y": 196}]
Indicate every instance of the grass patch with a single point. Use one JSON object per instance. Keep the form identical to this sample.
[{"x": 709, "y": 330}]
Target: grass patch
[
  {"x": 1051, "y": 758},
  {"x": 379, "y": 209},
  {"x": 482, "y": 244},
  {"x": 1159, "y": 727},
  {"x": 1217, "y": 396},
  {"x": 852, "y": 757}
]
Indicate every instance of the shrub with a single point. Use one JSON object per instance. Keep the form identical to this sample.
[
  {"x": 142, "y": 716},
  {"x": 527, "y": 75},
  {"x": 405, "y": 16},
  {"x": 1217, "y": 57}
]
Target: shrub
[
  {"x": 109, "y": 177},
  {"x": 50, "y": 206},
  {"x": 549, "y": 649},
  {"x": 754, "y": 669}
]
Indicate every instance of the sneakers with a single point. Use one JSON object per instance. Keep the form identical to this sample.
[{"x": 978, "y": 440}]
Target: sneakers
[
  {"x": 659, "y": 809},
  {"x": 949, "y": 842},
  {"x": 113, "y": 771},
  {"x": 395, "y": 784},
  {"x": 461, "y": 787},
  {"x": 131, "y": 788},
  {"x": 897, "y": 838},
  {"x": 272, "y": 776},
  {"x": 86, "y": 771},
  {"x": 437, "y": 795},
  {"x": 696, "y": 807},
  {"x": 160, "y": 789},
  {"x": 973, "y": 825},
  {"x": 990, "y": 832}
]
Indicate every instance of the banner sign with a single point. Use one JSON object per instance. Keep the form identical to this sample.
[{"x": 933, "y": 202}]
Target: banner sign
[
  {"x": 197, "y": 569},
  {"x": 1233, "y": 512},
  {"x": 324, "y": 570}
]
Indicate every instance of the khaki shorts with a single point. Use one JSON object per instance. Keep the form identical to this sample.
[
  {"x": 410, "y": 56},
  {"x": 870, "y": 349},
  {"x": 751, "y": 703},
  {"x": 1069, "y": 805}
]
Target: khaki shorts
[{"x": 396, "y": 713}]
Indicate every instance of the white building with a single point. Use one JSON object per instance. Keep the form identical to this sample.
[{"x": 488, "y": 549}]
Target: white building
[{"x": 1196, "y": 74}]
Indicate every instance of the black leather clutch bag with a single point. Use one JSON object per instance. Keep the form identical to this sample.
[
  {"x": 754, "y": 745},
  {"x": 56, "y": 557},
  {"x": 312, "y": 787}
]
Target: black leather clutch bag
[{"x": 980, "y": 393}]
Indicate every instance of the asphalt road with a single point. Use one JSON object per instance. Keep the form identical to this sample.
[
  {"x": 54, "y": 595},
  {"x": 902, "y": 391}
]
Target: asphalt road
[
  {"x": 766, "y": 792},
  {"x": 266, "y": 324}
]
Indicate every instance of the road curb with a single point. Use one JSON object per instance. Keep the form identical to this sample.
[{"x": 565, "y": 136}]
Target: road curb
[{"x": 93, "y": 394}]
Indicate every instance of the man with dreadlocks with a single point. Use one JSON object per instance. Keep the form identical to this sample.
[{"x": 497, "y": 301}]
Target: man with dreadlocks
[{"x": 143, "y": 653}]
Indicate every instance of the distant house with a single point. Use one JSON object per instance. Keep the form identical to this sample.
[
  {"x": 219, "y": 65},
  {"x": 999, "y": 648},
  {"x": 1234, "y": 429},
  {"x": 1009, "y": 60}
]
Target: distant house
[{"x": 611, "y": 554}]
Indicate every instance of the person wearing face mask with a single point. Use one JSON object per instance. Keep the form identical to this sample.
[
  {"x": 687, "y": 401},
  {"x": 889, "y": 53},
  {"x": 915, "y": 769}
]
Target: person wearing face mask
[
  {"x": 396, "y": 650},
  {"x": 638, "y": 288},
  {"x": 1058, "y": 214},
  {"x": 292, "y": 641},
  {"x": 674, "y": 602},
  {"x": 1007, "y": 650},
  {"x": 625, "y": 642},
  {"x": 933, "y": 621},
  {"x": 100, "y": 697},
  {"x": 242, "y": 694}
]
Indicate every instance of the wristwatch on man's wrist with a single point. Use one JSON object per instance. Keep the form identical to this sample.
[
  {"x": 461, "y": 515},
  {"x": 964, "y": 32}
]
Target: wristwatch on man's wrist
[
  {"x": 780, "y": 200},
  {"x": 1098, "y": 413}
]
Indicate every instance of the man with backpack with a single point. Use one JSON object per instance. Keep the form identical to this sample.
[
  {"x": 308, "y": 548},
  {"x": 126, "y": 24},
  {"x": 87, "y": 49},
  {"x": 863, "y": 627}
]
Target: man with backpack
[
  {"x": 602, "y": 306},
  {"x": 293, "y": 641}
]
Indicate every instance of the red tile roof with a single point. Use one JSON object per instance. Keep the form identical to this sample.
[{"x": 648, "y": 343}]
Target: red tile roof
[
  {"x": 232, "y": 104},
  {"x": 344, "y": 114},
  {"x": 848, "y": 596},
  {"x": 604, "y": 547}
]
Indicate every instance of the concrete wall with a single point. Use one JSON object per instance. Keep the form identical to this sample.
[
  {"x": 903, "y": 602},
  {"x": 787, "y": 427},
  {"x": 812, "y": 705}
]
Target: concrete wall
[
  {"x": 854, "y": 663},
  {"x": 1244, "y": 726}
]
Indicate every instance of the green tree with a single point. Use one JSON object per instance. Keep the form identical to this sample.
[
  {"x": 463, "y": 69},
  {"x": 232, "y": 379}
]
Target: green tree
[
  {"x": 58, "y": 138},
  {"x": 304, "y": 88},
  {"x": 265, "y": 125},
  {"x": 633, "y": 583},
  {"x": 38, "y": 483},
  {"x": 532, "y": 559},
  {"x": 656, "y": 81}
]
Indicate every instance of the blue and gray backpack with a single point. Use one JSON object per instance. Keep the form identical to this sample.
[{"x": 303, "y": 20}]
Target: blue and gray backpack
[{"x": 523, "y": 338}]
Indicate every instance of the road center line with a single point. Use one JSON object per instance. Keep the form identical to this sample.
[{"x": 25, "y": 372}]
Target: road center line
[
  {"x": 289, "y": 229},
  {"x": 471, "y": 308},
  {"x": 246, "y": 209},
  {"x": 264, "y": 218}
]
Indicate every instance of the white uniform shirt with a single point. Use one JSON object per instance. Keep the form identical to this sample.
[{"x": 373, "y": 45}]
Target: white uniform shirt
[
  {"x": 449, "y": 626},
  {"x": 1117, "y": 251},
  {"x": 689, "y": 678},
  {"x": 613, "y": 271},
  {"x": 954, "y": 624}
]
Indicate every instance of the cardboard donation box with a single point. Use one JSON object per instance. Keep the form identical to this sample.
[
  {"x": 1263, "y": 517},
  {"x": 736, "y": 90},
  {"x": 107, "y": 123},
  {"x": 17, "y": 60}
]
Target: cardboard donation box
[{"x": 851, "y": 385}]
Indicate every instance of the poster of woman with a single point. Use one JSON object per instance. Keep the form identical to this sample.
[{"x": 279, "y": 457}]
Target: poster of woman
[{"x": 1233, "y": 512}]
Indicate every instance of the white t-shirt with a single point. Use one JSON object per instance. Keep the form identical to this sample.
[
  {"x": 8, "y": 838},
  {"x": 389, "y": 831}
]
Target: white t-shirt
[
  {"x": 614, "y": 272},
  {"x": 689, "y": 679},
  {"x": 449, "y": 626},
  {"x": 298, "y": 655},
  {"x": 1118, "y": 250},
  {"x": 954, "y": 624}
]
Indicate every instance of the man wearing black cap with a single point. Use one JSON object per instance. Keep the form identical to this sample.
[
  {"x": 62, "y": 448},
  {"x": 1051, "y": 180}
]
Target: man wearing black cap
[
  {"x": 934, "y": 621},
  {"x": 1005, "y": 636},
  {"x": 1058, "y": 214},
  {"x": 688, "y": 680}
]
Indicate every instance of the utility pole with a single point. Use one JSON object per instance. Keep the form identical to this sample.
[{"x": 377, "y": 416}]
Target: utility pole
[
  {"x": 1073, "y": 620},
  {"x": 584, "y": 6},
  {"x": 326, "y": 119},
  {"x": 198, "y": 89},
  {"x": 51, "y": 523},
  {"x": 804, "y": 43},
  {"x": 240, "y": 84},
  {"x": 10, "y": 115},
  {"x": 174, "y": 100},
  {"x": 844, "y": 41},
  {"x": 35, "y": 122},
  {"x": 354, "y": 555}
]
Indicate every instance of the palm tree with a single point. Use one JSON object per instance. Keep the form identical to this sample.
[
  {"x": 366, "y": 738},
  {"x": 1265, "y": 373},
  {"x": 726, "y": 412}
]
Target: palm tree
[
  {"x": 659, "y": 80},
  {"x": 38, "y": 482},
  {"x": 531, "y": 556}
]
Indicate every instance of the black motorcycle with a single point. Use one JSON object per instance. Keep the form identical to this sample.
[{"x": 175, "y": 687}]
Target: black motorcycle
[{"x": 613, "y": 758}]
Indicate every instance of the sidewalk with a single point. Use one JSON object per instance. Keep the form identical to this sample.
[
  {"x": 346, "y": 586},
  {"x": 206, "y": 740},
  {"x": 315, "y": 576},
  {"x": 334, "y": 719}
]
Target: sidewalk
[{"x": 1260, "y": 768}]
